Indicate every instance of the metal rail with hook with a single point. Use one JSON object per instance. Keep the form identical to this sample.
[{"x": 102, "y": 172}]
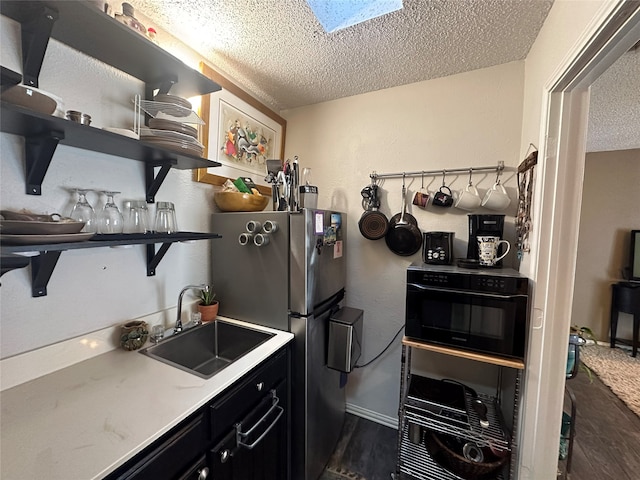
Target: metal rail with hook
[{"x": 377, "y": 176}]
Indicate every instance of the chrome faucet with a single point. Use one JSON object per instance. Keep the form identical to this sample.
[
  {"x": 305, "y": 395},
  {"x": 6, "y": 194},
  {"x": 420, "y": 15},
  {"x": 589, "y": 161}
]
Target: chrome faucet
[{"x": 178, "y": 327}]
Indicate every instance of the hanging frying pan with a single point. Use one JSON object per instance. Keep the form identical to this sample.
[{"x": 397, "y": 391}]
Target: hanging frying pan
[
  {"x": 373, "y": 223},
  {"x": 403, "y": 236}
]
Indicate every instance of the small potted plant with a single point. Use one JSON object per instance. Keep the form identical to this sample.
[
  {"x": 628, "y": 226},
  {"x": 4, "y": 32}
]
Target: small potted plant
[{"x": 208, "y": 306}]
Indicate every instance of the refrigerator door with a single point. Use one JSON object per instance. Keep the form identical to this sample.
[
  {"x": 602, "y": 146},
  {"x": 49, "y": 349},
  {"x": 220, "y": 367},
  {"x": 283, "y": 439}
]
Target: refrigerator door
[
  {"x": 252, "y": 282},
  {"x": 318, "y": 266},
  {"x": 318, "y": 401}
]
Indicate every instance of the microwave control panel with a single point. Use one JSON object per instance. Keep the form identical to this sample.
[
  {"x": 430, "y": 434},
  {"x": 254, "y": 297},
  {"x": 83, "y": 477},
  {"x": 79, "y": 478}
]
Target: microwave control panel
[{"x": 505, "y": 280}]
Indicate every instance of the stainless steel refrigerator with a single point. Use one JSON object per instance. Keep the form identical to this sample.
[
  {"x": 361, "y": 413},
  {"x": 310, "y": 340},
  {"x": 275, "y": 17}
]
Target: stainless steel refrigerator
[{"x": 286, "y": 270}]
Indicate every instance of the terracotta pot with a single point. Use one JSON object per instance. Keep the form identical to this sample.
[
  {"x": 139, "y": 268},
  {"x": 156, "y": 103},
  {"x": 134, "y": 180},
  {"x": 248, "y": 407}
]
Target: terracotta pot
[{"x": 209, "y": 312}]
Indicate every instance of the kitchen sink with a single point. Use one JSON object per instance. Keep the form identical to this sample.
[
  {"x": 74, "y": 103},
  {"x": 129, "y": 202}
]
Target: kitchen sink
[{"x": 207, "y": 349}]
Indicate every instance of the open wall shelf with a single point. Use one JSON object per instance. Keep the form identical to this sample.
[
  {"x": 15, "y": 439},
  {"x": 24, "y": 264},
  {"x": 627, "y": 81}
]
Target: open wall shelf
[
  {"x": 85, "y": 28},
  {"x": 43, "y": 257},
  {"x": 43, "y": 133}
]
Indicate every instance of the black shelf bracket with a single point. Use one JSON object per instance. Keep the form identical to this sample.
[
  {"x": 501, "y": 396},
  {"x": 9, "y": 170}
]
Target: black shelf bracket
[
  {"x": 39, "y": 151},
  {"x": 153, "y": 258},
  {"x": 153, "y": 181},
  {"x": 36, "y": 32},
  {"x": 163, "y": 85},
  {"x": 42, "y": 267},
  {"x": 12, "y": 262}
]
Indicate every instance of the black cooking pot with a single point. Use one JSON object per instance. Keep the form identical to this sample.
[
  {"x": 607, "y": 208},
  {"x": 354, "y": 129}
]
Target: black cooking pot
[
  {"x": 373, "y": 223},
  {"x": 403, "y": 236}
]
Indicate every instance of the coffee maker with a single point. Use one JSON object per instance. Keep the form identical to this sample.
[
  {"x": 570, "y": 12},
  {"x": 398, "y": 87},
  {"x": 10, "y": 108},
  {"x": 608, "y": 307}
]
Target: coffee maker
[{"x": 480, "y": 225}]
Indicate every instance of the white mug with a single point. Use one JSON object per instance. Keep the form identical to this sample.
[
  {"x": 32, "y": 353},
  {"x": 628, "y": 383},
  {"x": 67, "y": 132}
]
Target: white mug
[
  {"x": 488, "y": 250},
  {"x": 468, "y": 198},
  {"x": 496, "y": 198}
]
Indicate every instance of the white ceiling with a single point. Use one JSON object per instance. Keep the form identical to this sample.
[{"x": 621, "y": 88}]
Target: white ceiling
[
  {"x": 278, "y": 51},
  {"x": 614, "y": 110}
]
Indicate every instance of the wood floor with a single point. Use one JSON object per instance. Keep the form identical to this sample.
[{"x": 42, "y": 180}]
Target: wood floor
[
  {"x": 607, "y": 444},
  {"x": 366, "y": 450}
]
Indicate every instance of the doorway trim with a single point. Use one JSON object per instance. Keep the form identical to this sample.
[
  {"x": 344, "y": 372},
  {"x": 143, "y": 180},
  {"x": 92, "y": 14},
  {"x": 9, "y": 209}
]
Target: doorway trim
[{"x": 614, "y": 30}]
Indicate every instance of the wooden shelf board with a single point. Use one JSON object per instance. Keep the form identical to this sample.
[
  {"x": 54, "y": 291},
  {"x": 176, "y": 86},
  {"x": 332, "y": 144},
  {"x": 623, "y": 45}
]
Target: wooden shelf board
[{"x": 479, "y": 357}]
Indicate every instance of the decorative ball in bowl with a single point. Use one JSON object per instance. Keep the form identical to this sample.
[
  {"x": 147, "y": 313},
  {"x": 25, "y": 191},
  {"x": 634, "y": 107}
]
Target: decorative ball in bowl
[
  {"x": 240, "y": 202},
  {"x": 133, "y": 335}
]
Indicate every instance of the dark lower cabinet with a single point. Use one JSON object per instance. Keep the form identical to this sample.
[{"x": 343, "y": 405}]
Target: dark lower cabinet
[
  {"x": 242, "y": 434},
  {"x": 256, "y": 445},
  {"x": 251, "y": 427}
]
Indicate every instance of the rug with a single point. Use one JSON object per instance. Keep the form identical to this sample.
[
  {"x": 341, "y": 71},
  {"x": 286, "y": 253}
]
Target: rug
[{"x": 618, "y": 370}]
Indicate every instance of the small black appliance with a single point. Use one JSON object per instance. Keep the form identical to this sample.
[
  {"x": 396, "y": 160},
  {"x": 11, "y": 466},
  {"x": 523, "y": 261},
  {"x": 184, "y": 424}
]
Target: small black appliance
[
  {"x": 483, "y": 310},
  {"x": 437, "y": 248},
  {"x": 492, "y": 225}
]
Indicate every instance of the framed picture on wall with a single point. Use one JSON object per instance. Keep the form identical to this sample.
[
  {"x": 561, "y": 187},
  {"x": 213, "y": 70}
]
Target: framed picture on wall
[{"x": 239, "y": 132}]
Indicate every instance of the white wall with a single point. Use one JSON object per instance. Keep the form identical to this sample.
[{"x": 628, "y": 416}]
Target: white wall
[
  {"x": 94, "y": 288},
  {"x": 610, "y": 202},
  {"x": 566, "y": 28},
  {"x": 466, "y": 120}
]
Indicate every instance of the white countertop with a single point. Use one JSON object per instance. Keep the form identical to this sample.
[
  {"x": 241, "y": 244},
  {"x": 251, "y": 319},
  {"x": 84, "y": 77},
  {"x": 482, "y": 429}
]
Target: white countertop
[{"x": 85, "y": 420}]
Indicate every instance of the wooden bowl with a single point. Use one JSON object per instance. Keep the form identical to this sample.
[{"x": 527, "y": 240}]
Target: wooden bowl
[{"x": 240, "y": 202}]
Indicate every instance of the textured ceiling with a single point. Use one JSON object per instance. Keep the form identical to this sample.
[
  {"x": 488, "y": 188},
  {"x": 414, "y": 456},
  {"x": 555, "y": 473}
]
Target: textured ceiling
[
  {"x": 614, "y": 110},
  {"x": 278, "y": 51}
]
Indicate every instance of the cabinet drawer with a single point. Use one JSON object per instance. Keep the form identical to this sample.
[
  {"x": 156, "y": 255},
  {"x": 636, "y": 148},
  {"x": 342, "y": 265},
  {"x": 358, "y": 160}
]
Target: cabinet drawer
[
  {"x": 170, "y": 456},
  {"x": 238, "y": 402}
]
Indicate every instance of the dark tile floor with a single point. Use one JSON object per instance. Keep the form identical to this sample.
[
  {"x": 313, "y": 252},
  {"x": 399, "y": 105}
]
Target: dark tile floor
[
  {"x": 606, "y": 445},
  {"x": 366, "y": 451}
]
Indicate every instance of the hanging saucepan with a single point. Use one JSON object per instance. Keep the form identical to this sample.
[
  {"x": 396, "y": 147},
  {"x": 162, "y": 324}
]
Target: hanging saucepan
[
  {"x": 373, "y": 223},
  {"x": 403, "y": 237}
]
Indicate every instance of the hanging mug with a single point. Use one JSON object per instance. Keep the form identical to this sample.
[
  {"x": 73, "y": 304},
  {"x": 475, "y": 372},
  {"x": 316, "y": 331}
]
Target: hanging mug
[
  {"x": 496, "y": 197},
  {"x": 442, "y": 198},
  {"x": 468, "y": 198},
  {"x": 488, "y": 250},
  {"x": 421, "y": 198}
]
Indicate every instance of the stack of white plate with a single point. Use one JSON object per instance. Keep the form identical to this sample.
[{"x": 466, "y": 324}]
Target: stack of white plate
[
  {"x": 171, "y": 140},
  {"x": 171, "y": 134}
]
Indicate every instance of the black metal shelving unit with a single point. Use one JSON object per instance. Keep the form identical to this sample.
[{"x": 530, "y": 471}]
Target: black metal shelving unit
[
  {"x": 46, "y": 256},
  {"x": 414, "y": 461}
]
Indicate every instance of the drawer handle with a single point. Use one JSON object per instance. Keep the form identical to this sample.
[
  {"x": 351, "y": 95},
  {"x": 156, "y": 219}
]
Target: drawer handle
[
  {"x": 260, "y": 386},
  {"x": 240, "y": 435},
  {"x": 224, "y": 455},
  {"x": 203, "y": 474}
]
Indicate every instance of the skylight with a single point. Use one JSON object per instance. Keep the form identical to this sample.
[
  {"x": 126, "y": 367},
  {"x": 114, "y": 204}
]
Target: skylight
[{"x": 337, "y": 14}]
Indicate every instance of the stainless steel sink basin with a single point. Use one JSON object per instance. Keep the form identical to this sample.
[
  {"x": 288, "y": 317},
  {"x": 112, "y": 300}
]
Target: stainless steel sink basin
[{"x": 207, "y": 349}]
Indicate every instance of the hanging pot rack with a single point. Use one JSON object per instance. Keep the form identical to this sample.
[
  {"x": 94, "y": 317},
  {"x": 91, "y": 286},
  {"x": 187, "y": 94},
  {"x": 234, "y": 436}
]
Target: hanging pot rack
[{"x": 499, "y": 168}]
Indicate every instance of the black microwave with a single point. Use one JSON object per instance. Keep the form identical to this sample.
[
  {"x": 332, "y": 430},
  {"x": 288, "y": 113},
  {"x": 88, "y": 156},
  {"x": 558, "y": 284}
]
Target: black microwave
[{"x": 483, "y": 311}]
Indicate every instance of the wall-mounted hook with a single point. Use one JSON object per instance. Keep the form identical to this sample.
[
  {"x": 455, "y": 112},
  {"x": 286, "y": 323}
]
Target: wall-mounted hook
[
  {"x": 470, "y": 174},
  {"x": 444, "y": 174}
]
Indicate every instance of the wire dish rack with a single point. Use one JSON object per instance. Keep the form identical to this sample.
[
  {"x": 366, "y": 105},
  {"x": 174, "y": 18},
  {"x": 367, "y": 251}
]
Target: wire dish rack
[
  {"x": 416, "y": 462},
  {"x": 494, "y": 435},
  {"x": 165, "y": 111}
]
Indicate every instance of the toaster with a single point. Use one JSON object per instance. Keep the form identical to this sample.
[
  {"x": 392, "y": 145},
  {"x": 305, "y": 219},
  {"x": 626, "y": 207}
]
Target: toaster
[{"x": 437, "y": 248}]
